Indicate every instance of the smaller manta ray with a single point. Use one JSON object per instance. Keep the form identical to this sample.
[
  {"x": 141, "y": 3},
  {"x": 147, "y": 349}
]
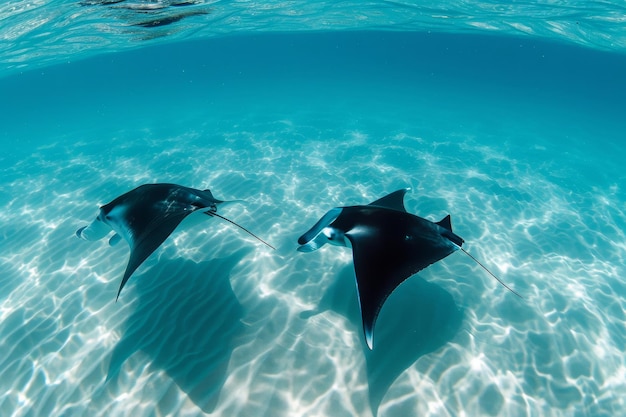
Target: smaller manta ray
[
  {"x": 388, "y": 246},
  {"x": 147, "y": 215}
]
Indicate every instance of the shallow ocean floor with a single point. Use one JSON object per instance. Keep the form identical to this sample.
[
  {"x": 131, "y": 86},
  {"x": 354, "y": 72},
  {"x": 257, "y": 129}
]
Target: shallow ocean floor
[{"x": 215, "y": 322}]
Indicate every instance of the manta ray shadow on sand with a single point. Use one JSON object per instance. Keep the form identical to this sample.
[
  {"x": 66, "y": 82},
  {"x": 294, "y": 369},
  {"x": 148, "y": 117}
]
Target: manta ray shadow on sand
[
  {"x": 188, "y": 322},
  {"x": 418, "y": 319}
]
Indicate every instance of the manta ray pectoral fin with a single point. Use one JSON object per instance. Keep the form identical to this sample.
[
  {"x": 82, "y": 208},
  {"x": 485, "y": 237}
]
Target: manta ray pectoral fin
[
  {"x": 375, "y": 281},
  {"x": 148, "y": 241},
  {"x": 389, "y": 247},
  {"x": 378, "y": 273},
  {"x": 394, "y": 201}
]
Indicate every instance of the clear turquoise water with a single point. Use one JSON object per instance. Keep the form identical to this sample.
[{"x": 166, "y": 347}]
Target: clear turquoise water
[{"x": 518, "y": 135}]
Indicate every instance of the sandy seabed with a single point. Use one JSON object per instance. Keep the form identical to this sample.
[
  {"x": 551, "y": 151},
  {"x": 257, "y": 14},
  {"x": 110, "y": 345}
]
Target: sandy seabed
[{"x": 215, "y": 322}]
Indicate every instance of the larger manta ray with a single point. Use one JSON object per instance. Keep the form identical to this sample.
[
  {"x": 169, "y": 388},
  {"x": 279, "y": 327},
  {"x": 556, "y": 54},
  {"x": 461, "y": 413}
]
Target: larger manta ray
[
  {"x": 147, "y": 215},
  {"x": 388, "y": 246}
]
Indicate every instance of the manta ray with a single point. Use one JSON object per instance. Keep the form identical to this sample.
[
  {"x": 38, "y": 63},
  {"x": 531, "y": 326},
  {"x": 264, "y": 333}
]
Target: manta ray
[
  {"x": 388, "y": 246},
  {"x": 146, "y": 216}
]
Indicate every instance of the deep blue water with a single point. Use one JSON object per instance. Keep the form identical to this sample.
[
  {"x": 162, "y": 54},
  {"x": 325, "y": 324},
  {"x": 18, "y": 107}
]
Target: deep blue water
[{"x": 520, "y": 139}]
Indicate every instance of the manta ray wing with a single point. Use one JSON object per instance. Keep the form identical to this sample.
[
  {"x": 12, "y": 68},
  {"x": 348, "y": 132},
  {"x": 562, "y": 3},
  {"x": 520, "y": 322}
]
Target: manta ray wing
[
  {"x": 146, "y": 241},
  {"x": 388, "y": 247}
]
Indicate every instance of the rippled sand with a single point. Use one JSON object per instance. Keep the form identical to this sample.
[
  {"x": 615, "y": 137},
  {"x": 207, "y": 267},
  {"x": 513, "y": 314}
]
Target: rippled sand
[{"x": 215, "y": 322}]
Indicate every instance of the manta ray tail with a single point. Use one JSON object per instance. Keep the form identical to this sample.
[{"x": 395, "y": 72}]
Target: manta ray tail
[
  {"x": 212, "y": 213},
  {"x": 490, "y": 273}
]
